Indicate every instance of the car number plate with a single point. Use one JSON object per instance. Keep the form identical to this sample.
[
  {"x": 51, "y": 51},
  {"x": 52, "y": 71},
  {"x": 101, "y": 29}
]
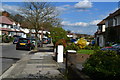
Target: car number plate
[{"x": 22, "y": 44}]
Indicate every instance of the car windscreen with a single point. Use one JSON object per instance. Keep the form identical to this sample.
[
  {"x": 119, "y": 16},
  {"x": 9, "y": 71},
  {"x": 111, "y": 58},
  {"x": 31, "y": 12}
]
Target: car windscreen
[{"x": 23, "y": 40}]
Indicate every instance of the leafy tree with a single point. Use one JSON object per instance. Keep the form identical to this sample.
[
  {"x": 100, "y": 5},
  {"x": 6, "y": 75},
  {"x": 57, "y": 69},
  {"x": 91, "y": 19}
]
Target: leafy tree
[{"x": 58, "y": 33}]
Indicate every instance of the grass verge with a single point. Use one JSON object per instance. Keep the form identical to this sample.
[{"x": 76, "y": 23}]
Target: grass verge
[{"x": 85, "y": 51}]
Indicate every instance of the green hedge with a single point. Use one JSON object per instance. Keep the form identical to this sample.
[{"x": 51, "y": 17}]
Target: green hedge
[{"x": 103, "y": 65}]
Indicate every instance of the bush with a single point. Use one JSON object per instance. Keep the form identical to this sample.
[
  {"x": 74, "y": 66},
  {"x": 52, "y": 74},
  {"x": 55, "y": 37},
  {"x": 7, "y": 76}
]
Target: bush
[
  {"x": 7, "y": 39},
  {"x": 103, "y": 65},
  {"x": 82, "y": 43},
  {"x": 58, "y": 33},
  {"x": 71, "y": 46},
  {"x": 90, "y": 47}
]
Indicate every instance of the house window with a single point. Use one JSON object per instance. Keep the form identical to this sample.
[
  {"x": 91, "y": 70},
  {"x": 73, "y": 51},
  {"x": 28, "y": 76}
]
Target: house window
[
  {"x": 11, "y": 26},
  {"x": 115, "y": 19},
  {"x": 110, "y": 22}
]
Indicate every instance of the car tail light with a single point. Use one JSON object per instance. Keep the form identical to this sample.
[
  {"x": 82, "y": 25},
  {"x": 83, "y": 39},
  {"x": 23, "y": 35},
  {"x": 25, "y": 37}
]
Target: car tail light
[{"x": 28, "y": 41}]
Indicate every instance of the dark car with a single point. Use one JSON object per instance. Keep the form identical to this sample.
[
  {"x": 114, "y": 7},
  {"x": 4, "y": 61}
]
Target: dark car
[
  {"x": 16, "y": 38},
  {"x": 45, "y": 40},
  {"x": 49, "y": 40},
  {"x": 15, "y": 41},
  {"x": 39, "y": 43},
  {"x": 25, "y": 43}
]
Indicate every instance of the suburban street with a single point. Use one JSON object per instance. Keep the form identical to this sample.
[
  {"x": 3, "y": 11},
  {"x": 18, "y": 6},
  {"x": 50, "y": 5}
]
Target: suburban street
[
  {"x": 10, "y": 55},
  {"x": 60, "y": 40}
]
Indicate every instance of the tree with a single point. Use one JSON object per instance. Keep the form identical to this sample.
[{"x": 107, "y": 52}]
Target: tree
[
  {"x": 40, "y": 15},
  {"x": 58, "y": 33},
  {"x": 18, "y": 18}
]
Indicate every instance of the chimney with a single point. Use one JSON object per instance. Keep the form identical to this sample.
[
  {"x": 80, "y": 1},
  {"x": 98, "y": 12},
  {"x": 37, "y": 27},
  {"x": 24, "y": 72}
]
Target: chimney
[{"x": 5, "y": 13}]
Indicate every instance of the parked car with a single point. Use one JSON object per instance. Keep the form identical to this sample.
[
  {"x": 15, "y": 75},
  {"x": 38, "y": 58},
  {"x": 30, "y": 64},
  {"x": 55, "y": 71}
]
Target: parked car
[
  {"x": 16, "y": 38},
  {"x": 45, "y": 40},
  {"x": 39, "y": 43},
  {"x": 49, "y": 40},
  {"x": 25, "y": 43},
  {"x": 111, "y": 48},
  {"x": 117, "y": 46},
  {"x": 15, "y": 41},
  {"x": 73, "y": 40}
]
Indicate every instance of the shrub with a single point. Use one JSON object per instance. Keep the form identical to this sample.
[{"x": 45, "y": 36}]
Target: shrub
[
  {"x": 90, "y": 47},
  {"x": 7, "y": 39},
  {"x": 58, "y": 33},
  {"x": 82, "y": 43},
  {"x": 103, "y": 65},
  {"x": 71, "y": 46}
]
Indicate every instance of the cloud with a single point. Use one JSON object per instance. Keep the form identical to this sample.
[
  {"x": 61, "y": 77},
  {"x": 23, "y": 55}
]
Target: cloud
[
  {"x": 63, "y": 7},
  {"x": 81, "y": 24},
  {"x": 85, "y": 4},
  {"x": 82, "y": 30},
  {"x": 74, "y": 24},
  {"x": 94, "y": 22},
  {"x": 11, "y": 9}
]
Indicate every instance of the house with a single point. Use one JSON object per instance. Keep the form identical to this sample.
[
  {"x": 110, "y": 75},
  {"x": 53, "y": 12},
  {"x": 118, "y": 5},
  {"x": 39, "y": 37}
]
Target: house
[
  {"x": 72, "y": 35},
  {"x": 9, "y": 26},
  {"x": 112, "y": 23},
  {"x": 100, "y": 34},
  {"x": 29, "y": 30},
  {"x": 109, "y": 29}
]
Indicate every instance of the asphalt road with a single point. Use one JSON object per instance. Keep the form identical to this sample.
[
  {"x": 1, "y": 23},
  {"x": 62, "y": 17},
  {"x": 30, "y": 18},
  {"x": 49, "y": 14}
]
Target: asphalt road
[{"x": 10, "y": 55}]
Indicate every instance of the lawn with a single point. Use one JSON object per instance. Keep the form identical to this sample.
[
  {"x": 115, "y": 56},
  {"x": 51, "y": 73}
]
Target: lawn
[{"x": 85, "y": 51}]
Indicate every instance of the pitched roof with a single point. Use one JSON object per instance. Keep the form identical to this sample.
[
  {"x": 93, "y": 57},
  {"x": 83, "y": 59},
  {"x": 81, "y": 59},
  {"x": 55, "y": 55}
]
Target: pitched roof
[
  {"x": 5, "y": 20},
  {"x": 101, "y": 23},
  {"x": 116, "y": 13}
]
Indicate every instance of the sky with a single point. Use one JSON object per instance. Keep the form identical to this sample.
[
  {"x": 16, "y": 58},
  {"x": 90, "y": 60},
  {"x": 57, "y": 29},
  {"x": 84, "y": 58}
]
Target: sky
[{"x": 78, "y": 17}]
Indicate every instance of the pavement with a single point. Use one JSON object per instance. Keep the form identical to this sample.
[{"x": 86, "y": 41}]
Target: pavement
[
  {"x": 6, "y": 43},
  {"x": 9, "y": 55},
  {"x": 39, "y": 65}
]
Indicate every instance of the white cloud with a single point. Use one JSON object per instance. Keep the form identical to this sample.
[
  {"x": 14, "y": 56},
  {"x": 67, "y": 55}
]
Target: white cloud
[
  {"x": 83, "y": 4},
  {"x": 94, "y": 22},
  {"x": 74, "y": 24},
  {"x": 82, "y": 24},
  {"x": 12, "y": 9},
  {"x": 63, "y": 7}
]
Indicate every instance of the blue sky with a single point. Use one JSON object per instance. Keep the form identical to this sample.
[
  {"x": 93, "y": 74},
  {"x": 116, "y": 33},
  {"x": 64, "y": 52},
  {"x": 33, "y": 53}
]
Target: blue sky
[{"x": 78, "y": 17}]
